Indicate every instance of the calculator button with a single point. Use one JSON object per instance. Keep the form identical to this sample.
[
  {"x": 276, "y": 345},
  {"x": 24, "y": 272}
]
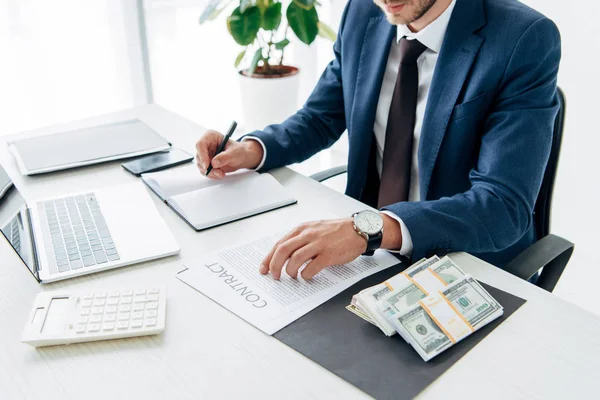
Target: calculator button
[
  {"x": 125, "y": 308},
  {"x": 136, "y": 323},
  {"x": 123, "y": 316},
  {"x": 138, "y": 307},
  {"x": 88, "y": 297},
  {"x": 125, "y": 300},
  {"x": 153, "y": 291},
  {"x": 93, "y": 327},
  {"x": 137, "y": 315},
  {"x": 95, "y": 318},
  {"x": 140, "y": 292},
  {"x": 150, "y": 314},
  {"x": 110, "y": 317},
  {"x": 122, "y": 325},
  {"x": 110, "y": 309},
  {"x": 97, "y": 310},
  {"x": 127, "y": 293},
  {"x": 80, "y": 328},
  {"x": 86, "y": 303},
  {"x": 112, "y": 302},
  {"x": 153, "y": 297},
  {"x": 109, "y": 326},
  {"x": 99, "y": 302},
  {"x": 82, "y": 320},
  {"x": 151, "y": 306},
  {"x": 85, "y": 311},
  {"x": 114, "y": 294},
  {"x": 151, "y": 322},
  {"x": 101, "y": 295},
  {"x": 140, "y": 299}
]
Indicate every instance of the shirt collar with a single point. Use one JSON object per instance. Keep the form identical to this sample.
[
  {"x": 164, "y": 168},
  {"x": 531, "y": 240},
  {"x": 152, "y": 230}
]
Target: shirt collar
[{"x": 432, "y": 36}]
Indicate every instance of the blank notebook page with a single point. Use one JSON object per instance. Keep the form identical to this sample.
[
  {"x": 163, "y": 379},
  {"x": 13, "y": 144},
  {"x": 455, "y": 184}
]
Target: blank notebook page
[
  {"x": 220, "y": 204},
  {"x": 175, "y": 181}
]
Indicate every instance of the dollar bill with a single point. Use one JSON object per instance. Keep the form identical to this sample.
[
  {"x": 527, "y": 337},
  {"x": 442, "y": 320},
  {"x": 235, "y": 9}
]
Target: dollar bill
[
  {"x": 420, "y": 266},
  {"x": 470, "y": 299},
  {"x": 447, "y": 270},
  {"x": 422, "y": 332},
  {"x": 358, "y": 312},
  {"x": 401, "y": 299}
]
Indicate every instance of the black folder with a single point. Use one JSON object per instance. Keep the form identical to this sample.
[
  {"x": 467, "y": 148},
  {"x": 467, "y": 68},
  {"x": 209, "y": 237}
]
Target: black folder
[{"x": 383, "y": 367}]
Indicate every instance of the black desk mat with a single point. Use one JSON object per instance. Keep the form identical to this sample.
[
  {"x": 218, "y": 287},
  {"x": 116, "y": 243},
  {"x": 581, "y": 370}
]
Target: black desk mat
[{"x": 355, "y": 350}]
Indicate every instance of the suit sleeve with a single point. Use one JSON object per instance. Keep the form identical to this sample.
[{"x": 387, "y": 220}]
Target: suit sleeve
[
  {"x": 515, "y": 145},
  {"x": 317, "y": 126}
]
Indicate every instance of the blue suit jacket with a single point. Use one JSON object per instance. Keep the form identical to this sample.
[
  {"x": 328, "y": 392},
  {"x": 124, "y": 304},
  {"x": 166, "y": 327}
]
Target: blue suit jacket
[{"x": 486, "y": 135}]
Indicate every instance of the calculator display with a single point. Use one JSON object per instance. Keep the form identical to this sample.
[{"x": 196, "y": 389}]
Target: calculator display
[{"x": 55, "y": 317}]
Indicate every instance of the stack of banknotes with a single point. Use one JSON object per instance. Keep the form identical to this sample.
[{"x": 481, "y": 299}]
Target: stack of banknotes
[{"x": 432, "y": 305}]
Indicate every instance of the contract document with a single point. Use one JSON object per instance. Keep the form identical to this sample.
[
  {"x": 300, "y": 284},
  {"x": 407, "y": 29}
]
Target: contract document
[{"x": 230, "y": 277}]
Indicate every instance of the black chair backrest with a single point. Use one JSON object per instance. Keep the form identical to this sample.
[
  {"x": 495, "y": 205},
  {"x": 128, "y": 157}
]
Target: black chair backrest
[{"x": 543, "y": 204}]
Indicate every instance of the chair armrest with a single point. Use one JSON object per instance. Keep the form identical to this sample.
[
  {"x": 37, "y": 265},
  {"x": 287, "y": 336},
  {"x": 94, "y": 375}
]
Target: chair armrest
[
  {"x": 329, "y": 173},
  {"x": 551, "y": 254}
]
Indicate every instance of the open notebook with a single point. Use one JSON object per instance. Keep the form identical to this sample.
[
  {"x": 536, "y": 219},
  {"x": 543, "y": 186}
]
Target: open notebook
[{"x": 205, "y": 203}]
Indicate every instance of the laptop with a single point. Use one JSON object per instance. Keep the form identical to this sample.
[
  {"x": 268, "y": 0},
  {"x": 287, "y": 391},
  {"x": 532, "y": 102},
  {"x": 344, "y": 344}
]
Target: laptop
[
  {"x": 81, "y": 233},
  {"x": 85, "y": 146}
]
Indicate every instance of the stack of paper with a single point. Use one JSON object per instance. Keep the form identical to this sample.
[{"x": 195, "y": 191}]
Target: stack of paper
[{"x": 432, "y": 305}]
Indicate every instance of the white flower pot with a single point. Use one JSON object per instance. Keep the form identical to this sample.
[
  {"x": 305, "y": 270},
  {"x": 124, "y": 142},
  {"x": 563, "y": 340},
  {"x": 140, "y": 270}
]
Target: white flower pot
[{"x": 269, "y": 100}]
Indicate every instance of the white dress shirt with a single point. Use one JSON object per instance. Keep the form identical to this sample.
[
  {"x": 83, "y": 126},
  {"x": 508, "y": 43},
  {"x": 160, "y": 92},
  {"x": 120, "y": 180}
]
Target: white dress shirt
[{"x": 432, "y": 36}]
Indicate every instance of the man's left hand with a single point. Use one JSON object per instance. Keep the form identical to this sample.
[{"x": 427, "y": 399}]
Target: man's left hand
[{"x": 323, "y": 243}]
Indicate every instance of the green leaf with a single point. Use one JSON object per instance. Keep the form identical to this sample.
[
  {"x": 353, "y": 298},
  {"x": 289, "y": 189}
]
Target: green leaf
[
  {"x": 281, "y": 45},
  {"x": 263, "y": 4},
  {"x": 326, "y": 32},
  {"x": 244, "y": 27},
  {"x": 257, "y": 57},
  {"x": 239, "y": 58},
  {"x": 272, "y": 17},
  {"x": 245, "y": 4},
  {"x": 305, "y": 4},
  {"x": 303, "y": 22},
  {"x": 213, "y": 9}
]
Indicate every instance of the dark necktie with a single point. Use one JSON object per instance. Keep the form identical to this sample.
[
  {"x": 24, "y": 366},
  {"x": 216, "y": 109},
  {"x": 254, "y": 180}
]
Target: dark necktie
[{"x": 397, "y": 153}]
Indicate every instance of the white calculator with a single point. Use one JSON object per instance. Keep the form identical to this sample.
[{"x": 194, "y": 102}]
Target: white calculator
[{"x": 65, "y": 318}]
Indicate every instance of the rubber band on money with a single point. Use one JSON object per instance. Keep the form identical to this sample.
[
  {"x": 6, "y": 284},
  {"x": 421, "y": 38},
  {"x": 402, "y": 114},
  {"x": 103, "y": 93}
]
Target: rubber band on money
[
  {"x": 457, "y": 312},
  {"x": 428, "y": 311},
  {"x": 421, "y": 288},
  {"x": 438, "y": 277},
  {"x": 388, "y": 286}
]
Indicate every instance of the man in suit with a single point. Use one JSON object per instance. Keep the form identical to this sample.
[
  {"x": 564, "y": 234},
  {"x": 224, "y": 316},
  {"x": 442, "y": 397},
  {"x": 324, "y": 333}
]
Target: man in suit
[{"x": 449, "y": 107}]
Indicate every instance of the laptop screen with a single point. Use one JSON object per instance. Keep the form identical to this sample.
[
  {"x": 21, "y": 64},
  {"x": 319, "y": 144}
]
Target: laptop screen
[{"x": 14, "y": 221}]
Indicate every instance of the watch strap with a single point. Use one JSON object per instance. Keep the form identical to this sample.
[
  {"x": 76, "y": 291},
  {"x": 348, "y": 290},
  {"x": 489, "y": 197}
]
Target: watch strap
[{"x": 373, "y": 243}]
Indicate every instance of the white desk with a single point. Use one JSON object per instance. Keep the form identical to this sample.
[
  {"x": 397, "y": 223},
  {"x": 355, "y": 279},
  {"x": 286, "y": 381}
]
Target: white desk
[{"x": 547, "y": 349}]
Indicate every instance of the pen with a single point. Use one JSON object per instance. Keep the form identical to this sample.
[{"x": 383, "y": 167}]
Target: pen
[{"x": 222, "y": 145}]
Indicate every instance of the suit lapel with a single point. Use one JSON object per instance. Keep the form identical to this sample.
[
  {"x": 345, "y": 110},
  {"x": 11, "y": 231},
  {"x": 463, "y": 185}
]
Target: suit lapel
[
  {"x": 454, "y": 62},
  {"x": 371, "y": 68}
]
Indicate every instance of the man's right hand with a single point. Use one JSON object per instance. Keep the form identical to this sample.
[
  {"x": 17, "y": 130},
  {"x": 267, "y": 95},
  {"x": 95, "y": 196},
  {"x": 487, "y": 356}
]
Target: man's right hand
[{"x": 237, "y": 155}]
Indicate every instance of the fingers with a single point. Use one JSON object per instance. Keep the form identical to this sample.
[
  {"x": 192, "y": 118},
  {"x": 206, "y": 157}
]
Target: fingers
[
  {"x": 283, "y": 252},
  {"x": 264, "y": 265},
  {"x": 318, "y": 264},
  {"x": 206, "y": 147},
  {"x": 299, "y": 257}
]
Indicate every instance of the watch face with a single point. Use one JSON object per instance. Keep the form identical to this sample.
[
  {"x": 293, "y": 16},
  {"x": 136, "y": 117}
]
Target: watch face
[{"x": 369, "y": 222}]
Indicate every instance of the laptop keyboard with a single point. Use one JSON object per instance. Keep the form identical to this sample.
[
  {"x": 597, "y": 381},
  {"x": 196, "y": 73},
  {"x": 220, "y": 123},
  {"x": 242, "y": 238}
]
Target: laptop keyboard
[{"x": 80, "y": 236}]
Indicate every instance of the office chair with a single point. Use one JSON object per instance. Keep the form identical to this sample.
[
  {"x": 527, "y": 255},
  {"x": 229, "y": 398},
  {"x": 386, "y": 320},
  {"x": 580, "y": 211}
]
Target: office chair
[{"x": 550, "y": 254}]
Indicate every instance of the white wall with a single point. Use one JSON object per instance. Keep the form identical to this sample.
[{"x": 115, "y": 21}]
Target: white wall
[{"x": 63, "y": 60}]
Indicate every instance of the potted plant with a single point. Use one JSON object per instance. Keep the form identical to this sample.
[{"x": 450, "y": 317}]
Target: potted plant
[{"x": 269, "y": 87}]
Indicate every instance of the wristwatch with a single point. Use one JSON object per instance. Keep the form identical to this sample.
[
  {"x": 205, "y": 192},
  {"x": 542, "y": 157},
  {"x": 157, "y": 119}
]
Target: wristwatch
[{"x": 369, "y": 225}]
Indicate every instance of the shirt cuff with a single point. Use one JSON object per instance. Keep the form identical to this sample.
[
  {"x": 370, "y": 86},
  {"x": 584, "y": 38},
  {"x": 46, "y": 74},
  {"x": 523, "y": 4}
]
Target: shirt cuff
[
  {"x": 262, "y": 162},
  {"x": 407, "y": 244}
]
